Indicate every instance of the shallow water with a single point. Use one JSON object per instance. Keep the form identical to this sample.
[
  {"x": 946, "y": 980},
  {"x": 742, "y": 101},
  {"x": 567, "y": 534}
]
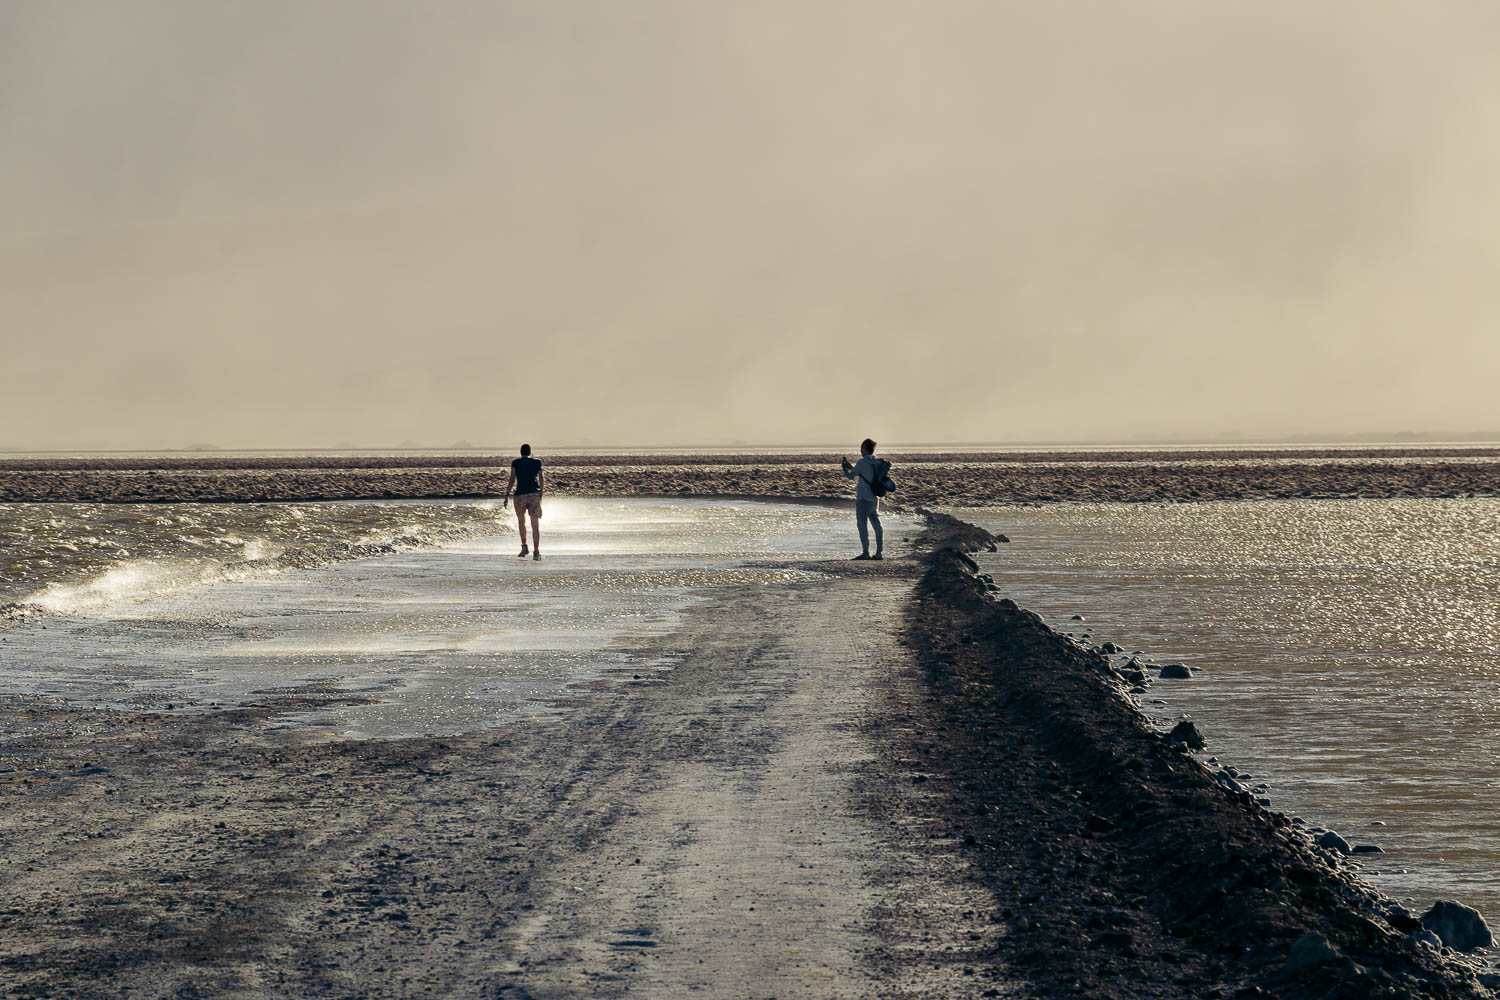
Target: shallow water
[
  {"x": 1351, "y": 653},
  {"x": 62, "y": 557},
  {"x": 442, "y": 637}
]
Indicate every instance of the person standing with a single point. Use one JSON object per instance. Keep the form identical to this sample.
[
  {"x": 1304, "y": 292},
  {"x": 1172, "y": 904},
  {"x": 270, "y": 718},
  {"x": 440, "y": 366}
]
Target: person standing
[
  {"x": 868, "y": 470},
  {"x": 526, "y": 476}
]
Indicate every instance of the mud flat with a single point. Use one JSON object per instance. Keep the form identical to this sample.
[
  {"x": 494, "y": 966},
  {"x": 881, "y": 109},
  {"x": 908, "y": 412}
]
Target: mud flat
[
  {"x": 879, "y": 782},
  {"x": 947, "y": 479}
]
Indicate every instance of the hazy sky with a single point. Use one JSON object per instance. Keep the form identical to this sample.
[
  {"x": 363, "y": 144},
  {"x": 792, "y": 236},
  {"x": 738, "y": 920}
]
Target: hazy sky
[{"x": 294, "y": 224}]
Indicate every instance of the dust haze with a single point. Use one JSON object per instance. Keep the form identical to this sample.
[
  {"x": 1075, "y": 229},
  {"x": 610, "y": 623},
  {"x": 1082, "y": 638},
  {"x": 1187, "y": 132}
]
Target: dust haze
[{"x": 284, "y": 224}]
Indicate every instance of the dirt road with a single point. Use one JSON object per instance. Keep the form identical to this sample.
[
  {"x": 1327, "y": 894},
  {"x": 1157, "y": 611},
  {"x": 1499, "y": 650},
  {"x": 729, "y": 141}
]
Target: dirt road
[{"x": 721, "y": 829}]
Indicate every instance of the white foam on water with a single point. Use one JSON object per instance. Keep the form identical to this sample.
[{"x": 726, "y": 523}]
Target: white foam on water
[
  {"x": 137, "y": 580},
  {"x": 94, "y": 556}
]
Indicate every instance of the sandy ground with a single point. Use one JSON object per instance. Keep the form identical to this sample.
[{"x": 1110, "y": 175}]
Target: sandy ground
[
  {"x": 724, "y": 829},
  {"x": 948, "y": 479}
]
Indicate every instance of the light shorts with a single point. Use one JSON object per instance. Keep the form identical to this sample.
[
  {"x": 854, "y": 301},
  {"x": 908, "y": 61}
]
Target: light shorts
[{"x": 530, "y": 502}]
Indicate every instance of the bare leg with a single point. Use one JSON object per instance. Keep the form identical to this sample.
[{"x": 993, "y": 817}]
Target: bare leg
[
  {"x": 536, "y": 532},
  {"x": 521, "y": 528}
]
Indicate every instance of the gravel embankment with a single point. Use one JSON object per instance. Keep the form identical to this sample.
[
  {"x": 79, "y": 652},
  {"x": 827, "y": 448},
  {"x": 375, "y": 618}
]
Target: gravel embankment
[{"x": 1120, "y": 866}]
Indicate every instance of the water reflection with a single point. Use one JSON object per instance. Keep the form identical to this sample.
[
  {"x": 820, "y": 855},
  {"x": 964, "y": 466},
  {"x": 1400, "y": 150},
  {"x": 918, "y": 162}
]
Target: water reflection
[{"x": 1350, "y": 654}]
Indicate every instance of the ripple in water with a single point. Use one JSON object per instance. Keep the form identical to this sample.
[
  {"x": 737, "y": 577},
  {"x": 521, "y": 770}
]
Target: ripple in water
[{"x": 1351, "y": 653}]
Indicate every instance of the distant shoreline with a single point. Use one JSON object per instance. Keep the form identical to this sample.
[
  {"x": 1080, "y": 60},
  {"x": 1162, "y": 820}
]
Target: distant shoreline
[
  {"x": 41, "y": 462},
  {"x": 1376, "y": 442},
  {"x": 959, "y": 479}
]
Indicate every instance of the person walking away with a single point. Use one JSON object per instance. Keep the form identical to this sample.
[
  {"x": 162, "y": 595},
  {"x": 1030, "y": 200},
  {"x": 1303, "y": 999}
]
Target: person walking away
[
  {"x": 868, "y": 470},
  {"x": 526, "y": 476}
]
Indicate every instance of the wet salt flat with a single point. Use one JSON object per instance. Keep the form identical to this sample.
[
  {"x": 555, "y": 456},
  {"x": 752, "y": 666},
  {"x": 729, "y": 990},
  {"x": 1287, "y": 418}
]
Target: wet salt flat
[
  {"x": 1351, "y": 655},
  {"x": 440, "y": 639}
]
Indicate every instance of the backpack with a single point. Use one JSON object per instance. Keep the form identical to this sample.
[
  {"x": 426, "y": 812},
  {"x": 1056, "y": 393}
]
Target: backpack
[{"x": 881, "y": 484}]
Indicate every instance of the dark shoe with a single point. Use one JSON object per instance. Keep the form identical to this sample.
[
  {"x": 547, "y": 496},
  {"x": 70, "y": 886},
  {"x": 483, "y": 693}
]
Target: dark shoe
[
  {"x": 877, "y": 556},
  {"x": 862, "y": 555},
  {"x": 538, "y": 556},
  {"x": 524, "y": 552}
]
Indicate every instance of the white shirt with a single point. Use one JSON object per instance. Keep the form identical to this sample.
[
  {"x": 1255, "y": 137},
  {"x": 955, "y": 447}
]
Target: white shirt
[{"x": 864, "y": 471}]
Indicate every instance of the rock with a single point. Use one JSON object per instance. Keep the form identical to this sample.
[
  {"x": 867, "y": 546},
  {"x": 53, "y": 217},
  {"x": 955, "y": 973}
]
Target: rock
[
  {"x": 1365, "y": 849},
  {"x": 1111, "y": 649},
  {"x": 1424, "y": 938},
  {"x": 1175, "y": 672},
  {"x": 1186, "y": 734},
  {"x": 1333, "y": 842},
  {"x": 1378, "y": 822},
  {"x": 1078, "y": 618},
  {"x": 1133, "y": 676},
  {"x": 1310, "y": 951},
  {"x": 1098, "y": 824},
  {"x": 1403, "y": 919},
  {"x": 1460, "y": 927}
]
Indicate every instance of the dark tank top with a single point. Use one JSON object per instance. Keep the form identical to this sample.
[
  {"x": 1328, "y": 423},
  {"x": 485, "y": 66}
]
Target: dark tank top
[{"x": 526, "y": 470}]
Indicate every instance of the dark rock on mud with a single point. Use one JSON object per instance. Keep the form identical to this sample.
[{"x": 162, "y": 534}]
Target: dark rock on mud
[
  {"x": 1186, "y": 734},
  {"x": 1310, "y": 950},
  {"x": 1175, "y": 672},
  {"x": 1460, "y": 927},
  {"x": 1333, "y": 842},
  {"x": 1424, "y": 938}
]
